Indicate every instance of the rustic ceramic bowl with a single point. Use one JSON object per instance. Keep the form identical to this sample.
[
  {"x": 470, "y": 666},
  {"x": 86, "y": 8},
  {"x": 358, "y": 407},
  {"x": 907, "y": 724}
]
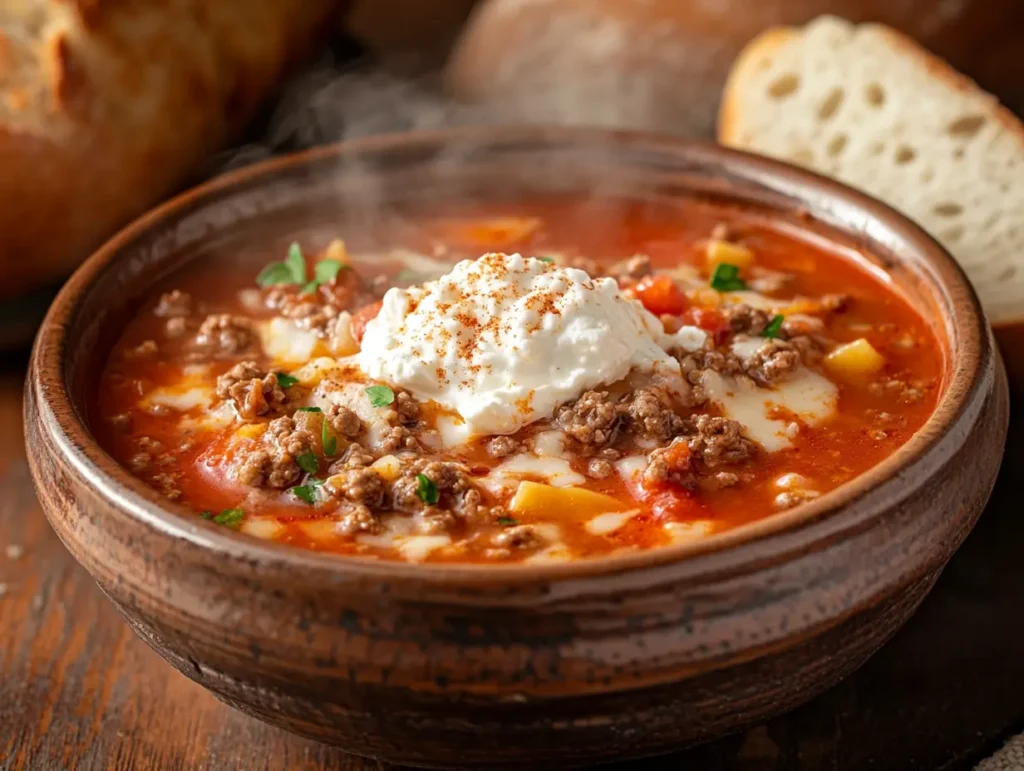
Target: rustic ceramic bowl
[{"x": 557, "y": 665}]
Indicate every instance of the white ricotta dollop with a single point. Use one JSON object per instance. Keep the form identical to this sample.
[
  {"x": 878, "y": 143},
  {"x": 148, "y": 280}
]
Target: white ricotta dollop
[{"x": 503, "y": 340}]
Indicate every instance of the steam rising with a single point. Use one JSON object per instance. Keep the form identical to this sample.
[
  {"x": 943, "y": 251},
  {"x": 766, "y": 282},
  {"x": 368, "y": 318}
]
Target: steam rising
[{"x": 338, "y": 97}]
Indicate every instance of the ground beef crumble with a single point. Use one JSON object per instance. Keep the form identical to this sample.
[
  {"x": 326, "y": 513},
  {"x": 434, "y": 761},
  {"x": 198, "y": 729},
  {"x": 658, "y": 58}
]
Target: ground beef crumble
[
  {"x": 456, "y": 491},
  {"x": 355, "y": 456},
  {"x": 651, "y": 416},
  {"x": 595, "y": 418},
  {"x": 344, "y": 421},
  {"x": 745, "y": 320},
  {"x": 592, "y": 419},
  {"x": 502, "y": 446},
  {"x": 772, "y": 361},
  {"x": 718, "y": 440},
  {"x": 253, "y": 391},
  {"x": 355, "y": 518},
  {"x": 226, "y": 334},
  {"x": 317, "y": 311},
  {"x": 272, "y": 461},
  {"x": 359, "y": 485}
]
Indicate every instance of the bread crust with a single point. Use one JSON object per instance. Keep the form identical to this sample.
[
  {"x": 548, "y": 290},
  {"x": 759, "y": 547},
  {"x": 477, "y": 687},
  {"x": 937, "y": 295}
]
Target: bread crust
[
  {"x": 761, "y": 47},
  {"x": 107, "y": 106}
]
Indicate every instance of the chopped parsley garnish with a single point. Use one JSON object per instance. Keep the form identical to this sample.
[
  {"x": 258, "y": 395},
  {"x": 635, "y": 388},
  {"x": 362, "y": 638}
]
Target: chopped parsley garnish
[
  {"x": 773, "y": 326},
  {"x": 308, "y": 462},
  {"x": 296, "y": 262},
  {"x": 228, "y": 517},
  {"x": 546, "y": 259},
  {"x": 308, "y": 409},
  {"x": 380, "y": 395},
  {"x": 285, "y": 380},
  {"x": 293, "y": 271},
  {"x": 508, "y": 521},
  {"x": 326, "y": 271},
  {"x": 726, "y": 278},
  {"x": 329, "y": 442},
  {"x": 307, "y": 492},
  {"x": 426, "y": 490}
]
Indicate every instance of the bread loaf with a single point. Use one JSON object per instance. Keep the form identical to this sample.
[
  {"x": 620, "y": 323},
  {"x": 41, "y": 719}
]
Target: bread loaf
[
  {"x": 106, "y": 106},
  {"x": 867, "y": 105}
]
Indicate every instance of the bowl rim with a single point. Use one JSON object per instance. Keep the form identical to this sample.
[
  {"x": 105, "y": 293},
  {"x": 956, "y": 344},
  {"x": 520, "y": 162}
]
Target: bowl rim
[{"x": 59, "y": 418}]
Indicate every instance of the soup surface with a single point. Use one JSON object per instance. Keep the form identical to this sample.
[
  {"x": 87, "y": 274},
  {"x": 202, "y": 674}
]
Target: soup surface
[{"x": 547, "y": 382}]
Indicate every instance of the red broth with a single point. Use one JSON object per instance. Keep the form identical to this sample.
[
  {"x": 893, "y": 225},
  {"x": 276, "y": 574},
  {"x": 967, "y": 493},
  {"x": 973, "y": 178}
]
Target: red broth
[{"x": 236, "y": 472}]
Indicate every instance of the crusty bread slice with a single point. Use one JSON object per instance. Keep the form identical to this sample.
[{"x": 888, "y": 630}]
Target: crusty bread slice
[{"x": 867, "y": 105}]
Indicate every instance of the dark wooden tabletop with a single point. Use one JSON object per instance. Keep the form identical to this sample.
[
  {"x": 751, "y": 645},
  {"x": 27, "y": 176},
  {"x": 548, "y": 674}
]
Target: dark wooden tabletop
[{"x": 78, "y": 691}]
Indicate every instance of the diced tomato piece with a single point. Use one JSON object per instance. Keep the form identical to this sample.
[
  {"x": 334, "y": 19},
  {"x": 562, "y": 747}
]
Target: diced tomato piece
[
  {"x": 677, "y": 456},
  {"x": 661, "y": 295},
  {"x": 710, "y": 320},
  {"x": 667, "y": 501},
  {"x": 362, "y": 317}
]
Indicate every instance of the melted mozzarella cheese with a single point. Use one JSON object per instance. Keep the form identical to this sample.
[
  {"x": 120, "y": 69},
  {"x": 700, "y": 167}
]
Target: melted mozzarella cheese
[
  {"x": 631, "y": 467},
  {"x": 603, "y": 524},
  {"x": 555, "y": 471},
  {"x": 285, "y": 343},
  {"x": 555, "y": 550},
  {"x": 805, "y": 393},
  {"x": 398, "y": 535},
  {"x": 744, "y": 347},
  {"x": 686, "y": 532},
  {"x": 550, "y": 444},
  {"x": 181, "y": 398},
  {"x": 220, "y": 417}
]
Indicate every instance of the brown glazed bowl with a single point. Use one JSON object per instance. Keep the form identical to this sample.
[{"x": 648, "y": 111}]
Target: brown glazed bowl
[{"x": 476, "y": 666}]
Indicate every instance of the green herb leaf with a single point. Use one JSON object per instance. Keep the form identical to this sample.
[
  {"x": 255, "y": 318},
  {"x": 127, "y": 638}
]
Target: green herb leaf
[
  {"x": 307, "y": 492},
  {"x": 206, "y": 515},
  {"x": 726, "y": 278},
  {"x": 285, "y": 380},
  {"x": 329, "y": 442},
  {"x": 327, "y": 270},
  {"x": 507, "y": 521},
  {"x": 380, "y": 395},
  {"x": 230, "y": 517},
  {"x": 296, "y": 263},
  {"x": 308, "y": 462},
  {"x": 309, "y": 287},
  {"x": 546, "y": 259},
  {"x": 772, "y": 328},
  {"x": 426, "y": 490},
  {"x": 274, "y": 273},
  {"x": 307, "y": 409}
]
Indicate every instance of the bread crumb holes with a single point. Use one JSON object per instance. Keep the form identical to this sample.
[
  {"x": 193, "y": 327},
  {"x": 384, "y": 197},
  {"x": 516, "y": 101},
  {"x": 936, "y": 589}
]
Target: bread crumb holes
[
  {"x": 904, "y": 155},
  {"x": 874, "y": 94},
  {"x": 836, "y": 145},
  {"x": 784, "y": 85},
  {"x": 832, "y": 103},
  {"x": 948, "y": 209},
  {"x": 966, "y": 126}
]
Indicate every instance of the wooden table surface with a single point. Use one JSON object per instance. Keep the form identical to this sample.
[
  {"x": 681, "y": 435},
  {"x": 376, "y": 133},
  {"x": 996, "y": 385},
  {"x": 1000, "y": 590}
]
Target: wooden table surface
[{"x": 79, "y": 691}]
